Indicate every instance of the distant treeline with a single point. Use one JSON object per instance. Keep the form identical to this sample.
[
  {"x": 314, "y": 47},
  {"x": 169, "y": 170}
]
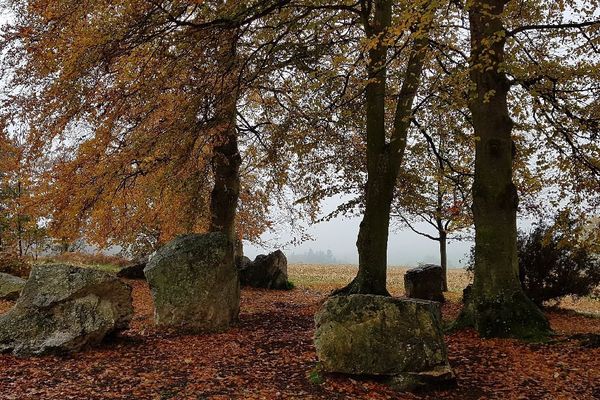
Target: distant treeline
[{"x": 313, "y": 257}]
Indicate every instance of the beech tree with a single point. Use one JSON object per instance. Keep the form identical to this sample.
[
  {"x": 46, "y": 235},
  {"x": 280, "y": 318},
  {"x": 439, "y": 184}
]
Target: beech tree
[
  {"x": 498, "y": 306},
  {"x": 434, "y": 186},
  {"x": 20, "y": 232},
  {"x": 137, "y": 101},
  {"x": 385, "y": 148}
]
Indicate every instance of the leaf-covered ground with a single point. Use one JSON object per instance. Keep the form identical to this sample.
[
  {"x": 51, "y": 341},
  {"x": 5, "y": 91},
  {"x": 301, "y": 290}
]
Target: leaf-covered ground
[{"x": 269, "y": 355}]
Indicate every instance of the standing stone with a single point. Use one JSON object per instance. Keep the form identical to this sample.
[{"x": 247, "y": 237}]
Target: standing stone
[
  {"x": 10, "y": 286},
  {"x": 194, "y": 283},
  {"x": 268, "y": 272},
  {"x": 64, "y": 309},
  {"x": 425, "y": 282},
  {"x": 242, "y": 262},
  {"x": 378, "y": 335}
]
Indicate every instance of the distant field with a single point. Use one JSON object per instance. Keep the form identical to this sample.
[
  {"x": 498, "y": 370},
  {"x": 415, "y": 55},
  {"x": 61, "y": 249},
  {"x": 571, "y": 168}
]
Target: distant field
[{"x": 325, "y": 278}]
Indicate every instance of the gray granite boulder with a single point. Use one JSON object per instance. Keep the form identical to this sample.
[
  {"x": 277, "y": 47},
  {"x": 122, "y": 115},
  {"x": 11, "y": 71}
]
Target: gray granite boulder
[
  {"x": 194, "y": 283},
  {"x": 64, "y": 309},
  {"x": 425, "y": 282},
  {"x": 401, "y": 339},
  {"x": 10, "y": 286},
  {"x": 268, "y": 272}
]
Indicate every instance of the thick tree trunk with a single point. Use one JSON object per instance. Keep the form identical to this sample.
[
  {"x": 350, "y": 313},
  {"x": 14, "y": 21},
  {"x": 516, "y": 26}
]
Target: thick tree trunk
[
  {"x": 226, "y": 157},
  {"x": 444, "y": 259},
  {"x": 383, "y": 157},
  {"x": 498, "y": 307}
]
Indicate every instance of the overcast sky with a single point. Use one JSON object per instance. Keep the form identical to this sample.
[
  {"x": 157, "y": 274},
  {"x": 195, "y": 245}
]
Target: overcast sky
[{"x": 339, "y": 236}]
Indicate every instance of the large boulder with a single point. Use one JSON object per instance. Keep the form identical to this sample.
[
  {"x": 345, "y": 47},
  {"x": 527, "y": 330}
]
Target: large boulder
[
  {"x": 425, "y": 282},
  {"x": 135, "y": 270},
  {"x": 377, "y": 335},
  {"x": 64, "y": 309},
  {"x": 242, "y": 262},
  {"x": 10, "y": 286},
  {"x": 268, "y": 272},
  {"x": 194, "y": 283}
]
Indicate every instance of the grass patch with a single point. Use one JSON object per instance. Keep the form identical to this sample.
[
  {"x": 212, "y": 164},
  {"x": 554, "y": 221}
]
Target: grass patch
[{"x": 100, "y": 262}]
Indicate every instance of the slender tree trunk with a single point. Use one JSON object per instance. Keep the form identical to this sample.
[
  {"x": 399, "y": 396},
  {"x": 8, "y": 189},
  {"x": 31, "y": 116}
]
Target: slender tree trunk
[
  {"x": 19, "y": 221},
  {"x": 498, "y": 307},
  {"x": 226, "y": 158},
  {"x": 383, "y": 157},
  {"x": 444, "y": 259},
  {"x": 442, "y": 234}
]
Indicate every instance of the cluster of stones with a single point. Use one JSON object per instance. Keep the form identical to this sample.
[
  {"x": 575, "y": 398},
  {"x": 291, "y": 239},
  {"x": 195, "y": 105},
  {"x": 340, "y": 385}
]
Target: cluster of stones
[
  {"x": 266, "y": 271},
  {"x": 195, "y": 286}
]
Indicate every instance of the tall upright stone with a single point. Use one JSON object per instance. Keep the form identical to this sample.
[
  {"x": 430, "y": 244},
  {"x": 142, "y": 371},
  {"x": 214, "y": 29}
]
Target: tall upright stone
[{"x": 194, "y": 283}]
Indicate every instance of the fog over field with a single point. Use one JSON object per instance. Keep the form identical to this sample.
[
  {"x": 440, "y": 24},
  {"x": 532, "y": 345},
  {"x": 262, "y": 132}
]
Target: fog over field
[{"x": 339, "y": 236}]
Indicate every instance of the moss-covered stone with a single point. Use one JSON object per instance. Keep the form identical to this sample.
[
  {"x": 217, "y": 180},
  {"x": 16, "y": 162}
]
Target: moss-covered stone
[
  {"x": 508, "y": 315},
  {"x": 194, "y": 283},
  {"x": 64, "y": 309},
  {"x": 10, "y": 286},
  {"x": 379, "y": 335}
]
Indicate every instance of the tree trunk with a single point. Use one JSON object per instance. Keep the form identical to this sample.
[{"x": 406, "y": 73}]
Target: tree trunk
[
  {"x": 442, "y": 234},
  {"x": 19, "y": 221},
  {"x": 383, "y": 157},
  {"x": 226, "y": 158},
  {"x": 444, "y": 259},
  {"x": 498, "y": 306}
]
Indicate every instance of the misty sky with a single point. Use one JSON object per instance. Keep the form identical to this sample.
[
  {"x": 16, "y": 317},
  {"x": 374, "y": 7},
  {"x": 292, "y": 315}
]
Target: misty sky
[{"x": 339, "y": 236}]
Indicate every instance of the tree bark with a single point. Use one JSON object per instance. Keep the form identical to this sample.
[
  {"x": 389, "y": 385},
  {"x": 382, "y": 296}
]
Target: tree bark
[
  {"x": 444, "y": 259},
  {"x": 498, "y": 306},
  {"x": 383, "y": 157},
  {"x": 19, "y": 221},
  {"x": 442, "y": 234},
  {"x": 226, "y": 158}
]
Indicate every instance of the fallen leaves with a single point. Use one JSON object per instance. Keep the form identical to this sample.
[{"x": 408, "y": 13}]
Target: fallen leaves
[{"x": 270, "y": 355}]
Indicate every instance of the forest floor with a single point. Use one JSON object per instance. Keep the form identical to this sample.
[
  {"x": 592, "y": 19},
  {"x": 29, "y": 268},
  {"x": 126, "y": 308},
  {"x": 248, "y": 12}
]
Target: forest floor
[{"x": 270, "y": 355}]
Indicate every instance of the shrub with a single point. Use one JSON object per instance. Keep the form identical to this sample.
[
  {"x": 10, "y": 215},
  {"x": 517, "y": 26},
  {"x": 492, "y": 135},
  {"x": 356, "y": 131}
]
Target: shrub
[
  {"x": 12, "y": 264},
  {"x": 553, "y": 263}
]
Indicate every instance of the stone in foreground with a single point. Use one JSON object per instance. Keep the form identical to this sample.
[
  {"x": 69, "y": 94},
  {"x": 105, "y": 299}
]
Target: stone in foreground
[
  {"x": 268, "y": 272},
  {"x": 425, "y": 282},
  {"x": 64, "y": 309},
  {"x": 194, "y": 283},
  {"x": 10, "y": 286},
  {"x": 378, "y": 335}
]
